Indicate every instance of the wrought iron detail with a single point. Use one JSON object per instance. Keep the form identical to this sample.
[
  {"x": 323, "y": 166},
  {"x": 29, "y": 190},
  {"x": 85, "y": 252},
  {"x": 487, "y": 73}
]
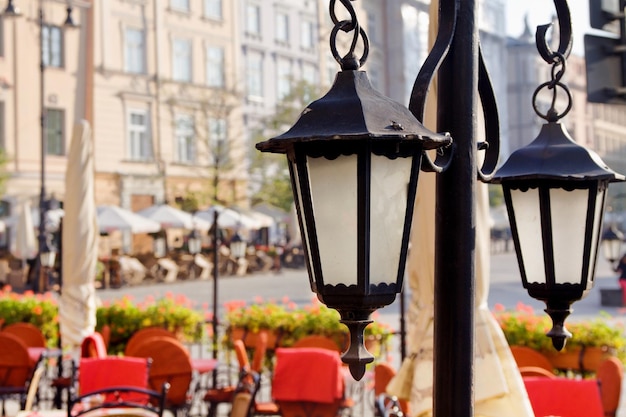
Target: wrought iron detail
[
  {"x": 349, "y": 61},
  {"x": 565, "y": 34},
  {"x": 425, "y": 77},
  {"x": 559, "y": 65}
]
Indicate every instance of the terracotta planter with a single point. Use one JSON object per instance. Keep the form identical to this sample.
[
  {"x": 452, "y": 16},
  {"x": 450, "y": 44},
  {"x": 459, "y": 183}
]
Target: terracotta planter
[
  {"x": 587, "y": 359},
  {"x": 250, "y": 338}
]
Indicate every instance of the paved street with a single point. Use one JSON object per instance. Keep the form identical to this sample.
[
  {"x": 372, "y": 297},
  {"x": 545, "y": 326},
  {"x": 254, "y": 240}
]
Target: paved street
[{"x": 506, "y": 289}]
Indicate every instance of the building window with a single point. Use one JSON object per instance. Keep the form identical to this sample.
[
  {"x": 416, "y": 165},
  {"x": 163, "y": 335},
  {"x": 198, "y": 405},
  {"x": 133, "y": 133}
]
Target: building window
[
  {"x": 253, "y": 20},
  {"x": 134, "y": 51},
  {"x": 283, "y": 82},
  {"x": 213, "y": 9},
  {"x": 181, "y": 60},
  {"x": 254, "y": 74},
  {"x": 52, "y": 46},
  {"x": 282, "y": 27},
  {"x": 140, "y": 146},
  {"x": 55, "y": 145},
  {"x": 215, "y": 66},
  {"x": 307, "y": 34},
  {"x": 180, "y": 5},
  {"x": 309, "y": 74},
  {"x": 218, "y": 134},
  {"x": 184, "y": 132}
]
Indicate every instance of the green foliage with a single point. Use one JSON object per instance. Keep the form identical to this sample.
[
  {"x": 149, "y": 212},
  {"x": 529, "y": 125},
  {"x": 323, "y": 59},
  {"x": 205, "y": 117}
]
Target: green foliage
[
  {"x": 496, "y": 195},
  {"x": 269, "y": 171},
  {"x": 523, "y": 328},
  {"x": 276, "y": 191},
  {"x": 38, "y": 309},
  {"x": 125, "y": 317},
  {"x": 293, "y": 323}
]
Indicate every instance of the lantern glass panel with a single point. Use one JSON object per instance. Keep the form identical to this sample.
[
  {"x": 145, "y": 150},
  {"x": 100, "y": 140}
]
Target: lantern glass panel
[
  {"x": 597, "y": 230},
  {"x": 569, "y": 220},
  {"x": 335, "y": 207},
  {"x": 303, "y": 228},
  {"x": 389, "y": 187},
  {"x": 528, "y": 224}
]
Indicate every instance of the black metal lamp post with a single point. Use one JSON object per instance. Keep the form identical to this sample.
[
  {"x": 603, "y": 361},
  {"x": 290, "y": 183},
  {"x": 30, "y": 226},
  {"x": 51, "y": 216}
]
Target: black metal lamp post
[
  {"x": 611, "y": 242},
  {"x": 354, "y": 158}
]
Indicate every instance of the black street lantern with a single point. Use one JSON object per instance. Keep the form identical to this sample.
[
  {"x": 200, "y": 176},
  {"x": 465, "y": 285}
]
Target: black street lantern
[
  {"x": 611, "y": 243},
  {"x": 354, "y": 158},
  {"x": 555, "y": 193}
]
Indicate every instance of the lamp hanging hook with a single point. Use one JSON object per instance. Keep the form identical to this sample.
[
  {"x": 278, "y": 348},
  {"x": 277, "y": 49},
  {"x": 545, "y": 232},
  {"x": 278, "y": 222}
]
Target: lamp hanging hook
[
  {"x": 348, "y": 61},
  {"x": 559, "y": 64},
  {"x": 564, "y": 18}
]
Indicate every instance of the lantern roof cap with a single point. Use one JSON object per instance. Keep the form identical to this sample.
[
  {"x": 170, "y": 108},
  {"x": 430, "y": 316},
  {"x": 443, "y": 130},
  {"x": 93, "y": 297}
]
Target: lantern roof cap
[
  {"x": 353, "y": 110},
  {"x": 554, "y": 155}
]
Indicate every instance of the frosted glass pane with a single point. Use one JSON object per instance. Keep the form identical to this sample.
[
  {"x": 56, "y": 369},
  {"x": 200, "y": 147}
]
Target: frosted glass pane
[
  {"x": 569, "y": 213},
  {"x": 528, "y": 221},
  {"x": 599, "y": 214},
  {"x": 305, "y": 238},
  {"x": 334, "y": 194},
  {"x": 389, "y": 183}
]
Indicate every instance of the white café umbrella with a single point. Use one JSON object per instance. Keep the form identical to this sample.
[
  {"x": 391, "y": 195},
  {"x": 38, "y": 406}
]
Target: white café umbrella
[
  {"x": 24, "y": 245},
  {"x": 77, "y": 307},
  {"x": 229, "y": 218},
  {"x": 499, "y": 387},
  {"x": 113, "y": 218},
  {"x": 53, "y": 218},
  {"x": 171, "y": 217}
]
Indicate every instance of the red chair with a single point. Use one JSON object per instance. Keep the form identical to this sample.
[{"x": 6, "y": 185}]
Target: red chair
[
  {"x": 308, "y": 381},
  {"x": 383, "y": 373},
  {"x": 146, "y": 333},
  {"x": 564, "y": 397},
  {"x": 224, "y": 394},
  {"x": 171, "y": 363},
  {"x": 93, "y": 346},
  {"x": 16, "y": 369},
  {"x": 610, "y": 373},
  {"x": 115, "y": 382},
  {"x": 30, "y": 334},
  {"x": 532, "y": 363}
]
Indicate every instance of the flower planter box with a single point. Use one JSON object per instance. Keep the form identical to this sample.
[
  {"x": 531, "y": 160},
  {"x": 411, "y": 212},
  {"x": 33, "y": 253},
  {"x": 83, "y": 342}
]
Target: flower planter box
[
  {"x": 250, "y": 338},
  {"x": 580, "y": 360}
]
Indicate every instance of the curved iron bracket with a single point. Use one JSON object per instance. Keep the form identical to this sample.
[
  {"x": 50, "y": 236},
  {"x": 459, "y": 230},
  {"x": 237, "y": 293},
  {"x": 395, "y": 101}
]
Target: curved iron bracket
[
  {"x": 417, "y": 102},
  {"x": 491, "y": 119},
  {"x": 565, "y": 33}
]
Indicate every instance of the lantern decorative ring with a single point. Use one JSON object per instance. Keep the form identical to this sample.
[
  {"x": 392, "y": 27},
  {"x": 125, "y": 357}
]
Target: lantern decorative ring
[
  {"x": 559, "y": 65},
  {"x": 348, "y": 61}
]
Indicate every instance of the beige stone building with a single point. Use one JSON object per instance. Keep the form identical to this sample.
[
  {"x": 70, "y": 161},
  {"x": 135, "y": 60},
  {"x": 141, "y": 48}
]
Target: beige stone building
[
  {"x": 157, "y": 80},
  {"x": 21, "y": 91}
]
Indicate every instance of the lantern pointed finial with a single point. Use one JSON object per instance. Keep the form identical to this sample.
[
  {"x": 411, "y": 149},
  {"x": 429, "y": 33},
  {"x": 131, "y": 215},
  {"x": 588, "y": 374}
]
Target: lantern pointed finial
[
  {"x": 559, "y": 334},
  {"x": 357, "y": 355}
]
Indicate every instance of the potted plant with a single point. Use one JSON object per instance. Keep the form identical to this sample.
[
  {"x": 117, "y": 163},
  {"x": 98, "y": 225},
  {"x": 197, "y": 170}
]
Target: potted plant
[
  {"x": 288, "y": 323},
  {"x": 592, "y": 340}
]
